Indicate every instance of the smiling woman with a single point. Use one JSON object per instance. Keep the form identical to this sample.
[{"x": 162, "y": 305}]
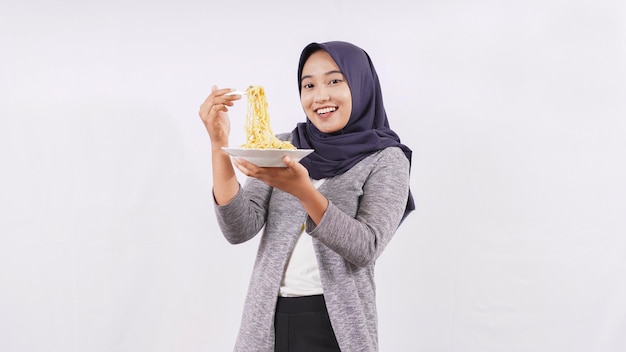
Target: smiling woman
[{"x": 324, "y": 221}]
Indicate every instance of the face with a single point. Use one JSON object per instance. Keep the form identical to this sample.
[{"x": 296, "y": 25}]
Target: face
[{"x": 325, "y": 94}]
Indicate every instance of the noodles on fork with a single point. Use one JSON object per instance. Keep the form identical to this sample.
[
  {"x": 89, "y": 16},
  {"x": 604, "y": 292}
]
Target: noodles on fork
[{"x": 259, "y": 134}]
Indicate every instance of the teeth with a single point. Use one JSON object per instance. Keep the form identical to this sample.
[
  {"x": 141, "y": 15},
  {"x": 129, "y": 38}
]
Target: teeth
[{"x": 326, "y": 110}]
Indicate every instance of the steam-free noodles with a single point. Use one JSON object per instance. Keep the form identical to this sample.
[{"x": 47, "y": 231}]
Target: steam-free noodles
[{"x": 259, "y": 134}]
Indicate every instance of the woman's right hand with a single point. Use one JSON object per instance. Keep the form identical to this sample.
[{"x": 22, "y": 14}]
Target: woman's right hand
[{"x": 213, "y": 113}]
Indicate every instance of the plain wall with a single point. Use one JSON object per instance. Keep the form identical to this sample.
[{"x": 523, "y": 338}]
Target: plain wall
[{"x": 515, "y": 112}]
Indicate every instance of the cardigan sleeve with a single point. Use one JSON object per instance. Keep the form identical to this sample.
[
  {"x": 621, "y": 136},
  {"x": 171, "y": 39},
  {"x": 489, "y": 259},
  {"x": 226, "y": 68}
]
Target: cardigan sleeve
[
  {"x": 361, "y": 239},
  {"x": 244, "y": 216}
]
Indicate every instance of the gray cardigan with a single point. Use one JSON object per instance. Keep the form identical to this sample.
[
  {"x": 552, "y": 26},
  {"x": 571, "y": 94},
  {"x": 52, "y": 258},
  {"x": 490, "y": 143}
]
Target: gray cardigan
[{"x": 366, "y": 205}]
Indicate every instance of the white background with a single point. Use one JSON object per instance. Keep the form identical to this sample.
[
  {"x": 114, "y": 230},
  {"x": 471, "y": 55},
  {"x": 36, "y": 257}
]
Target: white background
[{"x": 515, "y": 110}]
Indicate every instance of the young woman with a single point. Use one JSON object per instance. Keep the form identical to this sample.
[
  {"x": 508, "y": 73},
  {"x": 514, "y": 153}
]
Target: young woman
[{"x": 326, "y": 219}]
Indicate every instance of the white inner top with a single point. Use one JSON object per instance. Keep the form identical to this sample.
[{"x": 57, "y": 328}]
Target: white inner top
[{"x": 302, "y": 275}]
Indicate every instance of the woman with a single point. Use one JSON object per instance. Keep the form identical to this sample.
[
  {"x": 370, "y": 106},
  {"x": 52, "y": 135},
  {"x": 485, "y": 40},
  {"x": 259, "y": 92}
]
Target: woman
[{"x": 326, "y": 219}]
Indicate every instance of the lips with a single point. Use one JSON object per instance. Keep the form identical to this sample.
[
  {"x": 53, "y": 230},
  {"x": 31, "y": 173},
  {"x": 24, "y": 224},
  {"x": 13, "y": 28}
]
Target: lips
[{"x": 326, "y": 110}]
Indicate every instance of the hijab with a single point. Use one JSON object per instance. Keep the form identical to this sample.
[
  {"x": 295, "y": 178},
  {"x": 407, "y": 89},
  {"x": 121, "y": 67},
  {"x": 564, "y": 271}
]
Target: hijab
[{"x": 367, "y": 130}]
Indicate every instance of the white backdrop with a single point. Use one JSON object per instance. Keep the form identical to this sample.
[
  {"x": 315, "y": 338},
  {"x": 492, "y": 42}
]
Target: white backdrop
[{"x": 515, "y": 112}]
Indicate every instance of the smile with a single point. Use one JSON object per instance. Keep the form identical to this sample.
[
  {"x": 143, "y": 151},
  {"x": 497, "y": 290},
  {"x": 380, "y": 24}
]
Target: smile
[{"x": 325, "y": 110}]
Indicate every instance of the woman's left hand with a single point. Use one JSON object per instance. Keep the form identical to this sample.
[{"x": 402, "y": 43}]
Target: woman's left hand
[{"x": 293, "y": 178}]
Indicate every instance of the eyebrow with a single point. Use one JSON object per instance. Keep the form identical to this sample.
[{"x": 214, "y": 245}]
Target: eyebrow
[{"x": 327, "y": 73}]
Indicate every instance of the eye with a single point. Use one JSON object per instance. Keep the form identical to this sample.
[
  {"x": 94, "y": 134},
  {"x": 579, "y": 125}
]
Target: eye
[
  {"x": 307, "y": 86},
  {"x": 335, "y": 81}
]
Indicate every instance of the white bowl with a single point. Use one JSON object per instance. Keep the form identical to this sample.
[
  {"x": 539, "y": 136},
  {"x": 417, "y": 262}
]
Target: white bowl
[{"x": 267, "y": 157}]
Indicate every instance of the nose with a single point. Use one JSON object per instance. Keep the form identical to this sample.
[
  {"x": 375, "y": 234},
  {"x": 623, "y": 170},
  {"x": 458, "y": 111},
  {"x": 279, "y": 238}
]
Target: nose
[{"x": 321, "y": 95}]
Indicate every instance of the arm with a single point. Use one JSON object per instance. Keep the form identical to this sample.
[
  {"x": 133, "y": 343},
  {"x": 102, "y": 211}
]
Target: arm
[
  {"x": 240, "y": 213},
  {"x": 244, "y": 216},
  {"x": 213, "y": 113},
  {"x": 293, "y": 179},
  {"x": 361, "y": 239}
]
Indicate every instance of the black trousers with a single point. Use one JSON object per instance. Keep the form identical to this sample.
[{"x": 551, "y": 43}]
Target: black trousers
[{"x": 301, "y": 324}]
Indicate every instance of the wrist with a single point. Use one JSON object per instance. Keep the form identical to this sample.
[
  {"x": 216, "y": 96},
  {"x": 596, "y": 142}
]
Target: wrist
[
  {"x": 217, "y": 147},
  {"x": 315, "y": 204}
]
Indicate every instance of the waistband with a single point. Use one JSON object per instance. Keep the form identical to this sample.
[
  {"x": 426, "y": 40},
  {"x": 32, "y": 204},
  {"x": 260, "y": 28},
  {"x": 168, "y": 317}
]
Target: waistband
[{"x": 302, "y": 304}]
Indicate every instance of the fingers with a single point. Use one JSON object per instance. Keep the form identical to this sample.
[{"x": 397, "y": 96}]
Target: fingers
[
  {"x": 246, "y": 167},
  {"x": 291, "y": 179},
  {"x": 250, "y": 169},
  {"x": 289, "y": 162},
  {"x": 219, "y": 94},
  {"x": 217, "y": 97},
  {"x": 265, "y": 174},
  {"x": 209, "y": 108},
  {"x": 217, "y": 101}
]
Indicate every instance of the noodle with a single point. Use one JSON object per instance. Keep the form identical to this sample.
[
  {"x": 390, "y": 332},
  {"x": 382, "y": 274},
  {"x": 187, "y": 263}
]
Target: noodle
[{"x": 259, "y": 134}]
